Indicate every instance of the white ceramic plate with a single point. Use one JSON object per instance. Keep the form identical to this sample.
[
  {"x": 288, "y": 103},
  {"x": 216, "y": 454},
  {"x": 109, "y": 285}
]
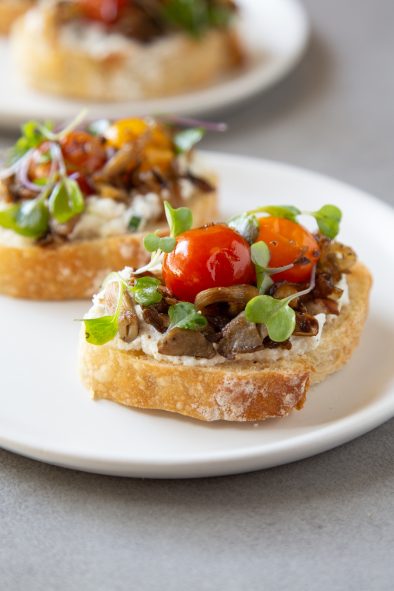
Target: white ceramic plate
[
  {"x": 275, "y": 32},
  {"x": 46, "y": 414}
]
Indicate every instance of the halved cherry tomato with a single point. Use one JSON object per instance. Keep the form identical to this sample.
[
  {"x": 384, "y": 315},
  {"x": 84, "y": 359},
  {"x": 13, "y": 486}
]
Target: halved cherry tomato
[
  {"x": 82, "y": 152},
  {"x": 212, "y": 256},
  {"x": 288, "y": 242},
  {"x": 104, "y": 11}
]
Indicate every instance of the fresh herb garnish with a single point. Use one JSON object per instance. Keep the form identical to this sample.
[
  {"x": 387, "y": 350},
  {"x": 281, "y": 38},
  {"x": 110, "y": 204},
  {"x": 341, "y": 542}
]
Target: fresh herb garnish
[
  {"x": 278, "y": 317},
  {"x": 185, "y": 315},
  {"x": 153, "y": 242},
  {"x": 179, "y": 220},
  {"x": 99, "y": 331},
  {"x": 186, "y": 139},
  {"x": 260, "y": 256},
  {"x": 247, "y": 225},
  {"x": 33, "y": 134},
  {"x": 66, "y": 200},
  {"x": 328, "y": 217},
  {"x": 280, "y": 211},
  {"x": 134, "y": 223},
  {"x": 29, "y": 218},
  {"x": 196, "y": 16},
  {"x": 145, "y": 291}
]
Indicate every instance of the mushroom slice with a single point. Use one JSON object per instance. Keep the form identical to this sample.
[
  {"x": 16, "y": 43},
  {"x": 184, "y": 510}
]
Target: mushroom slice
[
  {"x": 126, "y": 158},
  {"x": 179, "y": 341},
  {"x": 128, "y": 320},
  {"x": 306, "y": 325},
  {"x": 236, "y": 296},
  {"x": 239, "y": 336}
]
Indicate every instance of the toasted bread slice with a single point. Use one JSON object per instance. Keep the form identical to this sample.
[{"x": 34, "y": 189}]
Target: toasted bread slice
[
  {"x": 76, "y": 269},
  {"x": 10, "y": 10},
  {"x": 232, "y": 391},
  {"x": 172, "y": 65}
]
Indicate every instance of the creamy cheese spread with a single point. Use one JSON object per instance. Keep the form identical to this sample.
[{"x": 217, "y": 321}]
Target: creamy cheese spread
[{"x": 149, "y": 337}]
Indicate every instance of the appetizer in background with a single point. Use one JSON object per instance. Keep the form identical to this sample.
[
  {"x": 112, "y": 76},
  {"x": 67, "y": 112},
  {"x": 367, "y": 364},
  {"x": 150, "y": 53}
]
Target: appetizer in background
[
  {"x": 75, "y": 203},
  {"x": 126, "y": 49},
  {"x": 229, "y": 321},
  {"x": 10, "y": 10}
]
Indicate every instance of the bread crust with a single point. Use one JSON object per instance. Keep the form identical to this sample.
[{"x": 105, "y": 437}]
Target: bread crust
[
  {"x": 10, "y": 10},
  {"x": 76, "y": 270},
  {"x": 169, "y": 66},
  {"x": 241, "y": 391}
]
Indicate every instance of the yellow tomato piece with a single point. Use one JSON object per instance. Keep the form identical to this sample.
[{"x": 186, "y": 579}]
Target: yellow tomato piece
[
  {"x": 125, "y": 131},
  {"x": 157, "y": 158}
]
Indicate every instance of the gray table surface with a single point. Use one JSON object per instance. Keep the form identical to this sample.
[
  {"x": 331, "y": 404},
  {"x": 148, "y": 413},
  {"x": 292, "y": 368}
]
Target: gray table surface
[{"x": 323, "y": 523}]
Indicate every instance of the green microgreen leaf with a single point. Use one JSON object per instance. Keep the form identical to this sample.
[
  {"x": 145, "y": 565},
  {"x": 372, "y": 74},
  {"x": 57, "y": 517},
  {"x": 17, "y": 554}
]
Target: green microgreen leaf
[
  {"x": 260, "y": 256},
  {"x": 99, "y": 331},
  {"x": 328, "y": 219},
  {"x": 196, "y": 16},
  {"x": 33, "y": 134},
  {"x": 153, "y": 242},
  {"x": 186, "y": 139},
  {"x": 276, "y": 315},
  {"x": 179, "y": 220},
  {"x": 145, "y": 291},
  {"x": 280, "y": 211},
  {"x": 185, "y": 315},
  {"x": 66, "y": 200},
  {"x": 29, "y": 218},
  {"x": 134, "y": 223},
  {"x": 246, "y": 225}
]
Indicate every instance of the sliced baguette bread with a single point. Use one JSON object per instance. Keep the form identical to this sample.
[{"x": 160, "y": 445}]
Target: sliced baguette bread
[
  {"x": 76, "y": 269},
  {"x": 232, "y": 391}
]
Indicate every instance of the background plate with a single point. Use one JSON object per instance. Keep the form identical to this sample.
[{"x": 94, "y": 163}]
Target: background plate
[
  {"x": 46, "y": 414},
  {"x": 275, "y": 31}
]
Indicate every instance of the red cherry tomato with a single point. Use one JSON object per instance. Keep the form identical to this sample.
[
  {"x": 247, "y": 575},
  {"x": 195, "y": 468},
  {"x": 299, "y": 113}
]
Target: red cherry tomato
[
  {"x": 82, "y": 152},
  {"x": 287, "y": 242},
  {"x": 104, "y": 11},
  {"x": 212, "y": 256}
]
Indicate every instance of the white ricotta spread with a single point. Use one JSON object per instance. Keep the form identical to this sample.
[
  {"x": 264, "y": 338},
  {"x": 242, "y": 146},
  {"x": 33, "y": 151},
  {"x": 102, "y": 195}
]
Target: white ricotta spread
[{"x": 149, "y": 337}]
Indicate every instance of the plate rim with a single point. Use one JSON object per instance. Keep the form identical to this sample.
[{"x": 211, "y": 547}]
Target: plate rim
[{"x": 230, "y": 461}]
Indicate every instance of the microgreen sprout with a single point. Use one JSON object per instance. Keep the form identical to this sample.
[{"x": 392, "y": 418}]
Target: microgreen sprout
[
  {"x": 153, "y": 242},
  {"x": 99, "y": 331},
  {"x": 276, "y": 315},
  {"x": 260, "y": 255},
  {"x": 184, "y": 315},
  {"x": 327, "y": 217},
  {"x": 179, "y": 220},
  {"x": 145, "y": 291}
]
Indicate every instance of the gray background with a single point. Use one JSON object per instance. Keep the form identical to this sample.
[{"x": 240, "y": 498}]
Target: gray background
[{"x": 323, "y": 523}]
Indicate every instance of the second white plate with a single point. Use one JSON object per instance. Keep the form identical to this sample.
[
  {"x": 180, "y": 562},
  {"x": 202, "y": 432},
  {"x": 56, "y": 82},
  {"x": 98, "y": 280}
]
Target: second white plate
[
  {"x": 274, "y": 31},
  {"x": 46, "y": 414}
]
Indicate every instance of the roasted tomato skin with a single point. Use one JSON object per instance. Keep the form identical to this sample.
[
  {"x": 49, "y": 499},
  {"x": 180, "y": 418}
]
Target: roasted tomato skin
[
  {"x": 82, "y": 152},
  {"x": 289, "y": 242},
  {"x": 212, "y": 256},
  {"x": 104, "y": 11}
]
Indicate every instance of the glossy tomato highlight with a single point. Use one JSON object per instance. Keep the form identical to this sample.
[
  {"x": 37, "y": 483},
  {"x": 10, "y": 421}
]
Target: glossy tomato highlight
[
  {"x": 212, "y": 256},
  {"x": 289, "y": 242}
]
